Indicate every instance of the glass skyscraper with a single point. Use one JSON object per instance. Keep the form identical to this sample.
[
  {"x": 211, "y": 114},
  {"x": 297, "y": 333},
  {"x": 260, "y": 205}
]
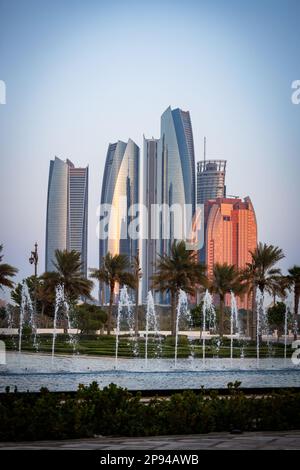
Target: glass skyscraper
[
  {"x": 120, "y": 189},
  {"x": 168, "y": 180},
  {"x": 67, "y": 211},
  {"x": 210, "y": 180},
  {"x": 176, "y": 168},
  {"x": 150, "y": 245}
]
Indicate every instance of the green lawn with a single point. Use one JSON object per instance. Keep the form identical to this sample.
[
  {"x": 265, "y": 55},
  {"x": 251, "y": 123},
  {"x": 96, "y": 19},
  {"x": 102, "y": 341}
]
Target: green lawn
[{"x": 105, "y": 346}]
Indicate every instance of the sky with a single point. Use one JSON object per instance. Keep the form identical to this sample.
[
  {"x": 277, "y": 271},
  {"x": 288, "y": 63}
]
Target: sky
[{"x": 82, "y": 74}]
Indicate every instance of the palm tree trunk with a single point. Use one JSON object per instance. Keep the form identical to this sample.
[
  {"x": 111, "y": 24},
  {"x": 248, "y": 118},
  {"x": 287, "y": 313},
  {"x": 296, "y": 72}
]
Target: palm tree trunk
[
  {"x": 102, "y": 288},
  {"x": 136, "y": 315},
  {"x": 221, "y": 326},
  {"x": 111, "y": 299},
  {"x": 296, "y": 300}
]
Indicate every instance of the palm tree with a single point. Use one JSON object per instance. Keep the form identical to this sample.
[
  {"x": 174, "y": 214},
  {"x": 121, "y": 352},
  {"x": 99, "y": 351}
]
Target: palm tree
[
  {"x": 114, "y": 270},
  {"x": 179, "y": 270},
  {"x": 69, "y": 274},
  {"x": 45, "y": 292},
  {"x": 264, "y": 258},
  {"x": 225, "y": 278},
  {"x": 6, "y": 272},
  {"x": 137, "y": 274},
  {"x": 277, "y": 287},
  {"x": 261, "y": 273},
  {"x": 294, "y": 281}
]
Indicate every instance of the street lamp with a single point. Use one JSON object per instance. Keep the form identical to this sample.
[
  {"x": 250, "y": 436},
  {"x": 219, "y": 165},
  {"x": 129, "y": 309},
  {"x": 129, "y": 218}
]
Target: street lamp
[{"x": 34, "y": 258}]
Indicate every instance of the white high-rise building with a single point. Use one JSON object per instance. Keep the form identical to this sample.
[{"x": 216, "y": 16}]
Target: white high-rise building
[{"x": 67, "y": 211}]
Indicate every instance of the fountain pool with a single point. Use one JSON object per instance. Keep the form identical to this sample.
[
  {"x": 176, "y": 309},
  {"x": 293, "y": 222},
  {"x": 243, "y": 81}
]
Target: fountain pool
[{"x": 33, "y": 371}]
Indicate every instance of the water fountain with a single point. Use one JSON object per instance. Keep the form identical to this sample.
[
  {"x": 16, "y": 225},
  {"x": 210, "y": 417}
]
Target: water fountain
[
  {"x": 259, "y": 302},
  {"x": 152, "y": 324},
  {"x": 285, "y": 329},
  {"x": 125, "y": 305},
  {"x": 27, "y": 307},
  {"x": 262, "y": 326},
  {"x": 10, "y": 323},
  {"x": 234, "y": 322},
  {"x": 9, "y": 317},
  {"x": 143, "y": 373},
  {"x": 292, "y": 307},
  {"x": 60, "y": 302},
  {"x": 182, "y": 312},
  {"x": 208, "y": 318}
]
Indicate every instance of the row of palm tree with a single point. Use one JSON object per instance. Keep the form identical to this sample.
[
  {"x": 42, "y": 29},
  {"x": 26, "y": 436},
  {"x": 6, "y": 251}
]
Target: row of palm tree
[
  {"x": 175, "y": 271},
  {"x": 180, "y": 270}
]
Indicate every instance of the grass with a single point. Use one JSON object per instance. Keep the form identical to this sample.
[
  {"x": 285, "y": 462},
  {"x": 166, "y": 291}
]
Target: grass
[{"x": 105, "y": 346}]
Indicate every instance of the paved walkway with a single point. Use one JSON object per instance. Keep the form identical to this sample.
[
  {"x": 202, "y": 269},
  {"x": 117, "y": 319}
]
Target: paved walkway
[{"x": 262, "y": 440}]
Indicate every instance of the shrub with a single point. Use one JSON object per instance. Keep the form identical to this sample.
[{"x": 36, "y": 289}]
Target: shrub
[
  {"x": 115, "y": 411},
  {"x": 88, "y": 318}
]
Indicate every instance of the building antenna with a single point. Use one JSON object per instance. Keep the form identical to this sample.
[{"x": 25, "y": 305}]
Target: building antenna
[{"x": 204, "y": 149}]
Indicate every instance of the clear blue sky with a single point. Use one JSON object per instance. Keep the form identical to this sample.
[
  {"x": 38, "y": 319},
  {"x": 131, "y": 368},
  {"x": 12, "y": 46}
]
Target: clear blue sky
[{"x": 81, "y": 74}]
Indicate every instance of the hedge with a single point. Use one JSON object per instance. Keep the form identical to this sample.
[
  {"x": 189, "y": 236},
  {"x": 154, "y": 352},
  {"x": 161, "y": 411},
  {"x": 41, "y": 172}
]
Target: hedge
[{"x": 115, "y": 411}]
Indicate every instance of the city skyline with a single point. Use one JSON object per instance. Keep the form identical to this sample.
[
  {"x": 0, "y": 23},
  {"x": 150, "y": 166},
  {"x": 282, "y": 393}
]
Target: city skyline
[
  {"x": 224, "y": 71},
  {"x": 229, "y": 230}
]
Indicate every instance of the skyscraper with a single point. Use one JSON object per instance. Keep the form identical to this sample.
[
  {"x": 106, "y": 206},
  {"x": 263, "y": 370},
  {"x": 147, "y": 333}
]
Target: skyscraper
[
  {"x": 120, "y": 189},
  {"x": 230, "y": 235},
  {"x": 210, "y": 180},
  {"x": 67, "y": 211},
  {"x": 149, "y": 244},
  {"x": 176, "y": 162},
  {"x": 168, "y": 181}
]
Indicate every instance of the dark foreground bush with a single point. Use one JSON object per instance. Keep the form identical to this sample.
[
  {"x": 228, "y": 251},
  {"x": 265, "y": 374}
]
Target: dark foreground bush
[{"x": 114, "y": 411}]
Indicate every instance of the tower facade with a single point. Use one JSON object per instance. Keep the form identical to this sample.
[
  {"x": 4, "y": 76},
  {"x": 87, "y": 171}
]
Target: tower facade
[
  {"x": 210, "y": 180},
  {"x": 176, "y": 170},
  {"x": 230, "y": 235},
  {"x": 67, "y": 211},
  {"x": 150, "y": 245},
  {"x": 120, "y": 191}
]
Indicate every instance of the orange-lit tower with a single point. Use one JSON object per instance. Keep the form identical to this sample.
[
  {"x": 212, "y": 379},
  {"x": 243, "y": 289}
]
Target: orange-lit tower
[{"x": 230, "y": 235}]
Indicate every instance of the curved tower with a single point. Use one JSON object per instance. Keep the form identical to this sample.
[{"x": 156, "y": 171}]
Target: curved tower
[
  {"x": 177, "y": 164},
  {"x": 120, "y": 190}
]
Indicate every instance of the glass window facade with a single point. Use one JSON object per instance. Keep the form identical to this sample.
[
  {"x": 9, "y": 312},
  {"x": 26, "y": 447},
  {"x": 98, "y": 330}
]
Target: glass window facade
[{"x": 67, "y": 211}]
